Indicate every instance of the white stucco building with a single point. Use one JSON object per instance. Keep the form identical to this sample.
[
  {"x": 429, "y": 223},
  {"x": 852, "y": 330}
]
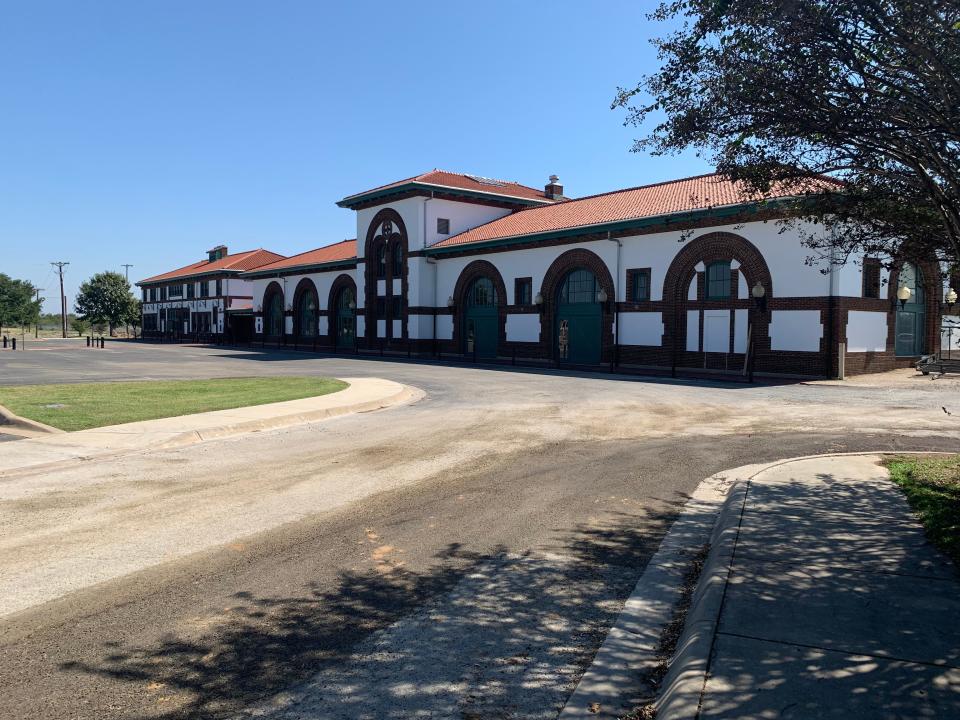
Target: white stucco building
[{"x": 692, "y": 274}]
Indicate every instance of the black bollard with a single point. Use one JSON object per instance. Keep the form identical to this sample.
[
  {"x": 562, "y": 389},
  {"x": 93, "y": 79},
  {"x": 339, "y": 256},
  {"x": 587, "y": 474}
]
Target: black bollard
[{"x": 14, "y": 341}]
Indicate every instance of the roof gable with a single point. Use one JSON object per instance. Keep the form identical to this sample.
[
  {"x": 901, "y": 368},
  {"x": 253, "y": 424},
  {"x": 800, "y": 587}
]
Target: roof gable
[{"x": 474, "y": 186}]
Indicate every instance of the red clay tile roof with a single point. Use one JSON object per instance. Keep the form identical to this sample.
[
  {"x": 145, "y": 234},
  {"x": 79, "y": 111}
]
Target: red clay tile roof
[
  {"x": 343, "y": 250},
  {"x": 675, "y": 196},
  {"x": 460, "y": 181},
  {"x": 237, "y": 262}
]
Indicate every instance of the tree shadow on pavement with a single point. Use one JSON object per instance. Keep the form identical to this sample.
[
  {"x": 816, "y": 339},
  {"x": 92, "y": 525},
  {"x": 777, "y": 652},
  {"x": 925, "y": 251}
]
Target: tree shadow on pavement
[
  {"x": 837, "y": 606},
  {"x": 476, "y": 634}
]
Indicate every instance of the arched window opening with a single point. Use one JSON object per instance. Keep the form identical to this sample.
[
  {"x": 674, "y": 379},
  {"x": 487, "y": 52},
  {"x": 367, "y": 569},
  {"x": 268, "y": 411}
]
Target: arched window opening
[
  {"x": 482, "y": 293},
  {"x": 397, "y": 261},
  {"x": 718, "y": 280},
  {"x": 580, "y": 286},
  {"x": 307, "y": 314},
  {"x": 274, "y": 322},
  {"x": 381, "y": 261}
]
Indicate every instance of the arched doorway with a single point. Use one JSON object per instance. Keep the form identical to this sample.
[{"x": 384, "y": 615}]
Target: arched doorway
[
  {"x": 273, "y": 315},
  {"x": 579, "y": 319},
  {"x": 481, "y": 319},
  {"x": 911, "y": 317},
  {"x": 346, "y": 317},
  {"x": 307, "y": 317}
]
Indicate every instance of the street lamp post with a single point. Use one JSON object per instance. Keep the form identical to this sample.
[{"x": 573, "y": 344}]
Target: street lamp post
[{"x": 759, "y": 294}]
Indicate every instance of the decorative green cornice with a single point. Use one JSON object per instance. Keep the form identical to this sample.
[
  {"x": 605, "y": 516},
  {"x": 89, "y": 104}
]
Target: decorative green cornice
[
  {"x": 617, "y": 226},
  {"x": 301, "y": 269},
  {"x": 420, "y": 188}
]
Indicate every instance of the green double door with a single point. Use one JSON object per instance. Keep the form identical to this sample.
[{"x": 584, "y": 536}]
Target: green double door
[
  {"x": 579, "y": 321},
  {"x": 480, "y": 331},
  {"x": 911, "y": 315},
  {"x": 578, "y": 333},
  {"x": 481, "y": 319}
]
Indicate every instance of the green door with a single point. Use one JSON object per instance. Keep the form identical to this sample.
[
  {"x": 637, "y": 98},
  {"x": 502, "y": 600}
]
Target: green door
[
  {"x": 481, "y": 319},
  {"x": 911, "y": 316},
  {"x": 346, "y": 318},
  {"x": 579, "y": 321}
]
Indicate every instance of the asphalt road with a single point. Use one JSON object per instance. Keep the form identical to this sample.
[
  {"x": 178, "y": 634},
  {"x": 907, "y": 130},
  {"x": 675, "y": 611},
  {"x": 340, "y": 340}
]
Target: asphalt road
[{"x": 461, "y": 557}]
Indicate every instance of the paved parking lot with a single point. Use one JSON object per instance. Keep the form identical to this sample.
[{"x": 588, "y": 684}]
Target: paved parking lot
[{"x": 462, "y": 556}]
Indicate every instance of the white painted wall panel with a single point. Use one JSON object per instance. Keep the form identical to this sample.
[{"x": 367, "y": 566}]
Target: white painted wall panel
[
  {"x": 381, "y": 328},
  {"x": 795, "y": 330},
  {"x": 323, "y": 326},
  {"x": 740, "y": 322},
  {"x": 397, "y": 328},
  {"x": 693, "y": 330},
  {"x": 641, "y": 328},
  {"x": 866, "y": 331},
  {"x": 444, "y": 327},
  {"x": 523, "y": 327},
  {"x": 716, "y": 331}
]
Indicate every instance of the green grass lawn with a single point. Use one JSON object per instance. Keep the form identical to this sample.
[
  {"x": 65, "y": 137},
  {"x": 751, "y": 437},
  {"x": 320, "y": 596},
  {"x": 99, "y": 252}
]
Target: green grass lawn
[
  {"x": 932, "y": 486},
  {"x": 89, "y": 405}
]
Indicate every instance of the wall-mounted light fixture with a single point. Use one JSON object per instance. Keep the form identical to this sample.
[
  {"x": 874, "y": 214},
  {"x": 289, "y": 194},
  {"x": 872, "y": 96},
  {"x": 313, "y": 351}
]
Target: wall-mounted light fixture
[
  {"x": 759, "y": 293},
  {"x": 903, "y": 295},
  {"x": 950, "y": 298}
]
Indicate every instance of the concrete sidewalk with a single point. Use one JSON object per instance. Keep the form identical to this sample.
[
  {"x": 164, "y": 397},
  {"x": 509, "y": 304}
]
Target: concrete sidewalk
[
  {"x": 826, "y": 602},
  {"x": 43, "y": 452}
]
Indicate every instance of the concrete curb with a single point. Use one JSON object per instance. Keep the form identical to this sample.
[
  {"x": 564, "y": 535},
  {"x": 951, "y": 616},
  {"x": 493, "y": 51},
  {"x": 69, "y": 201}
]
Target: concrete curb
[
  {"x": 10, "y": 420},
  {"x": 683, "y": 686},
  {"x": 405, "y": 395},
  {"x": 615, "y": 681}
]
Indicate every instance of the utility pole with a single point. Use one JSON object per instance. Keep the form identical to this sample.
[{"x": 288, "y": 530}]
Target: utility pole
[
  {"x": 36, "y": 331},
  {"x": 126, "y": 275},
  {"x": 63, "y": 298}
]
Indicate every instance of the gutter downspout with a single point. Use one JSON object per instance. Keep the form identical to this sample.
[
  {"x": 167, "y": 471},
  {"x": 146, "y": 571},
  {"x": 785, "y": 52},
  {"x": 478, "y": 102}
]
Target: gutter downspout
[
  {"x": 431, "y": 261},
  {"x": 831, "y": 314},
  {"x": 616, "y": 303}
]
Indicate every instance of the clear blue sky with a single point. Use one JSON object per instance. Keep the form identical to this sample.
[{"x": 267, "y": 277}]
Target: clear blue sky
[{"x": 147, "y": 132}]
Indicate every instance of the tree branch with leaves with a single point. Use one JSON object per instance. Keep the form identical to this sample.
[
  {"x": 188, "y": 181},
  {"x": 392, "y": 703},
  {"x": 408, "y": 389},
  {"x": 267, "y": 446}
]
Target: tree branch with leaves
[{"x": 864, "y": 91}]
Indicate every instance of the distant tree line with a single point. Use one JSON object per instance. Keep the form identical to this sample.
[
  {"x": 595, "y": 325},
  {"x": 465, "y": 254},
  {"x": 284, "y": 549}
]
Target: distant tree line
[{"x": 19, "y": 305}]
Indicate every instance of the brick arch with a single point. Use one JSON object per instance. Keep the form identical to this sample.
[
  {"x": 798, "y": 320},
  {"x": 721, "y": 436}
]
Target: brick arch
[
  {"x": 562, "y": 266},
  {"x": 273, "y": 288},
  {"x": 709, "y": 248},
  {"x": 473, "y": 271},
  {"x": 306, "y": 285},
  {"x": 375, "y": 238},
  {"x": 342, "y": 281}
]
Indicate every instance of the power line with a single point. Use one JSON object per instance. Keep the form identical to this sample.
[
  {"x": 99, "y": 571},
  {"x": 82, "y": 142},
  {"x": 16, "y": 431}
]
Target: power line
[
  {"x": 63, "y": 298},
  {"x": 126, "y": 271}
]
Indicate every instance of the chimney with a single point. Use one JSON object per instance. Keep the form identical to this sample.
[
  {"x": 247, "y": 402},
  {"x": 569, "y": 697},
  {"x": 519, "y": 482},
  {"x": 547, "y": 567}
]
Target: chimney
[
  {"x": 216, "y": 253},
  {"x": 553, "y": 189}
]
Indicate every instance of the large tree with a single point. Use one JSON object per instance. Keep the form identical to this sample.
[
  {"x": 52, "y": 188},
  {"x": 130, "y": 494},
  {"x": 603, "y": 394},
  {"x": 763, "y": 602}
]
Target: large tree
[
  {"x": 864, "y": 91},
  {"x": 19, "y": 305},
  {"x": 105, "y": 299}
]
